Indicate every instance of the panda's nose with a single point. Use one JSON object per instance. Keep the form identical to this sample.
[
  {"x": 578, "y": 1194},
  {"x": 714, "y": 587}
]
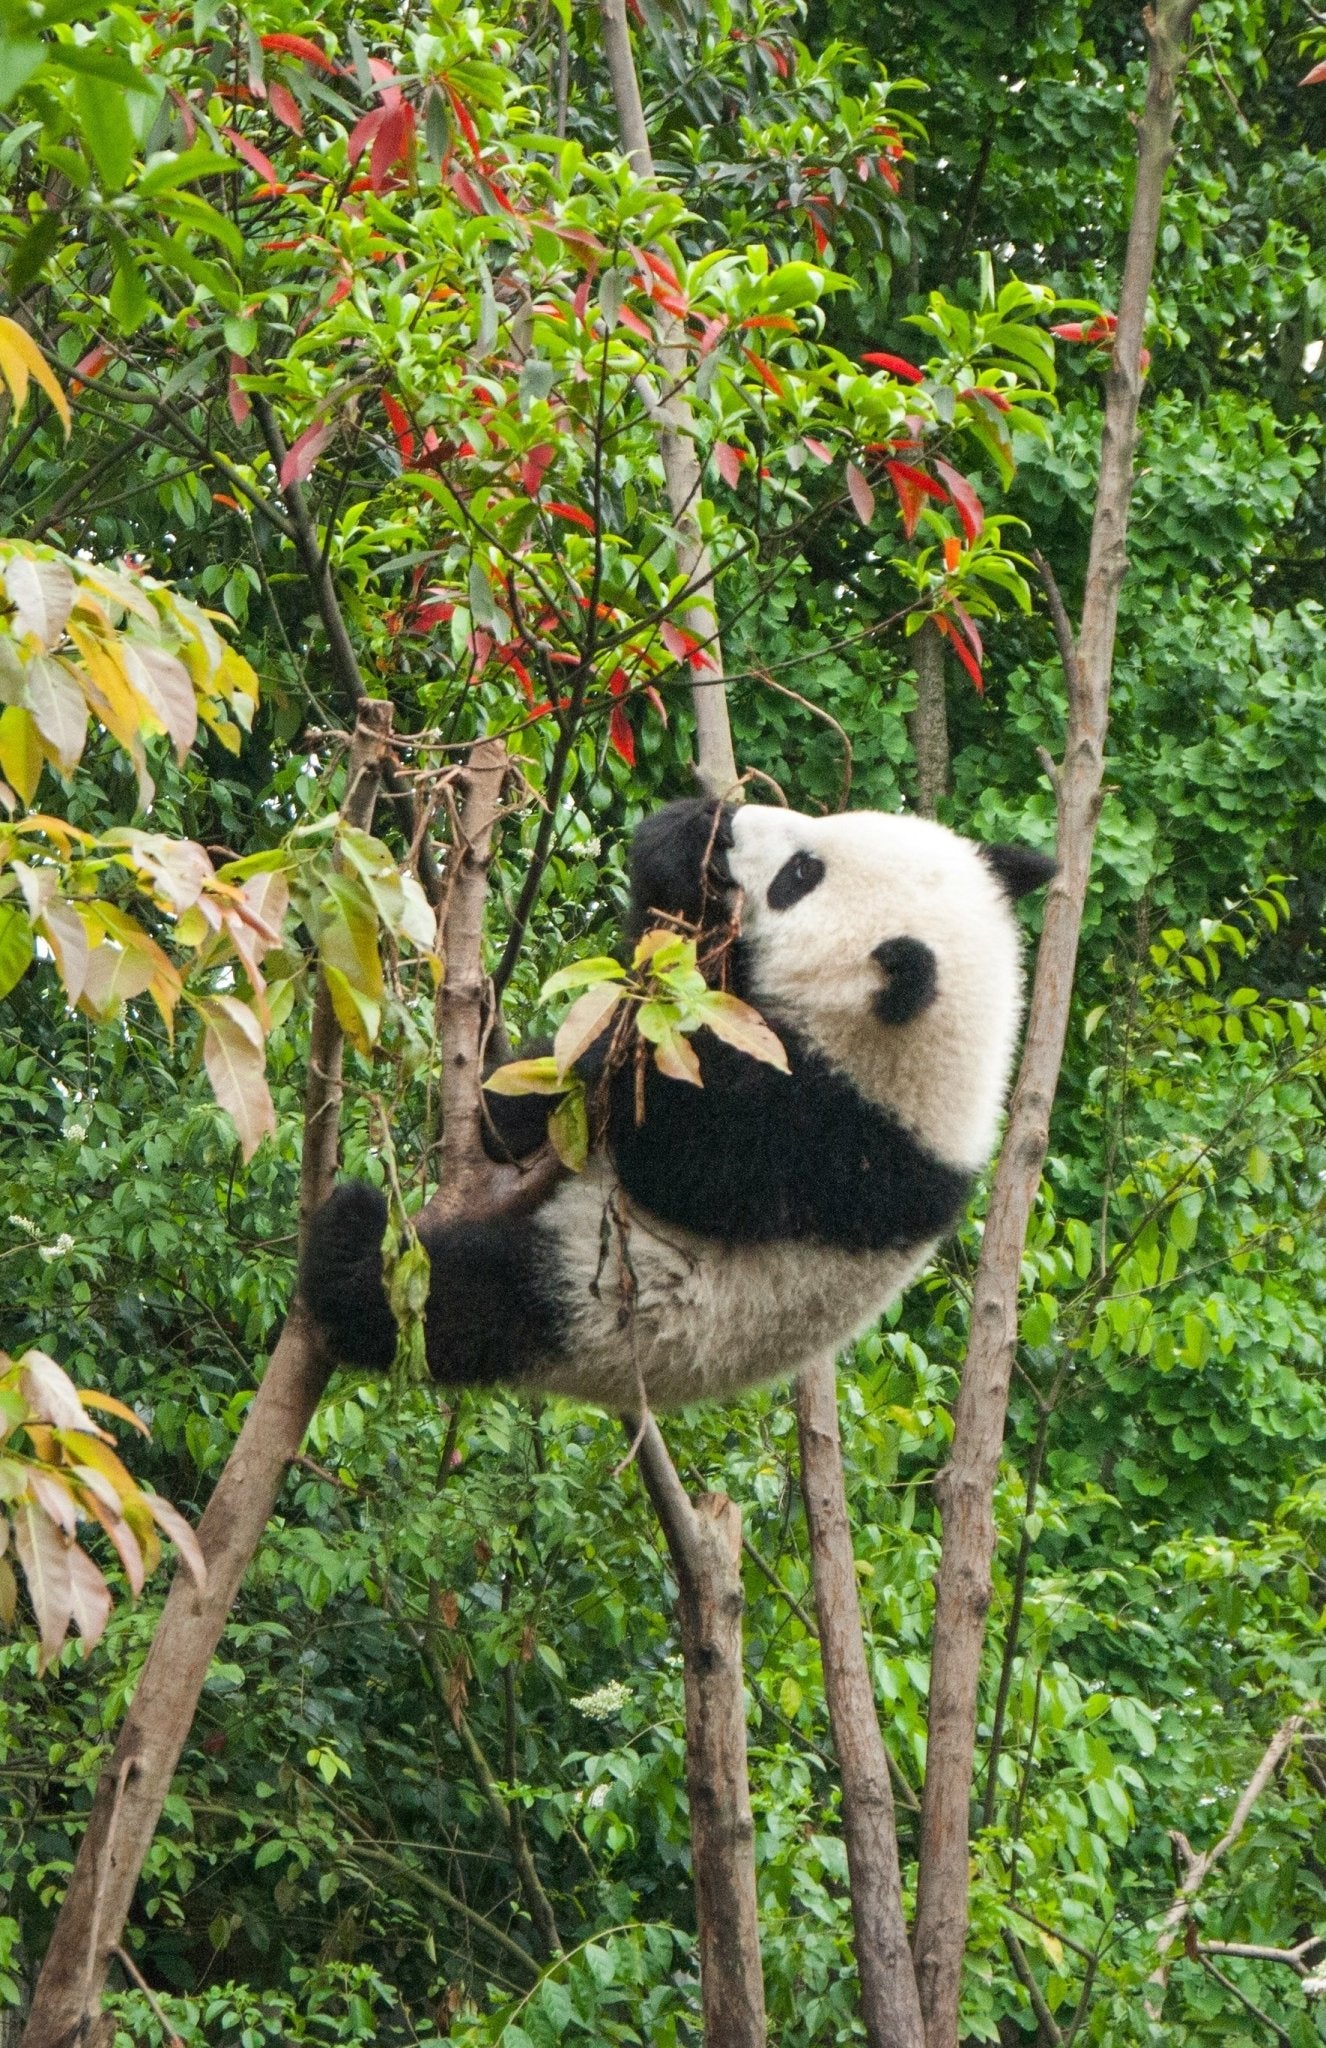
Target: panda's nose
[{"x": 911, "y": 979}]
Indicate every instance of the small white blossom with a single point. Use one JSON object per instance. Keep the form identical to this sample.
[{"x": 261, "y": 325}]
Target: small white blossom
[
  {"x": 75, "y": 1132},
  {"x": 599, "y": 1796},
  {"x": 26, "y": 1225},
  {"x": 61, "y": 1249},
  {"x": 604, "y": 1703}
]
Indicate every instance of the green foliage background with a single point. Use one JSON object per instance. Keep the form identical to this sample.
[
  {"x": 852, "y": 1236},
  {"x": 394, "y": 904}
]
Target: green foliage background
[{"x": 1162, "y": 1505}]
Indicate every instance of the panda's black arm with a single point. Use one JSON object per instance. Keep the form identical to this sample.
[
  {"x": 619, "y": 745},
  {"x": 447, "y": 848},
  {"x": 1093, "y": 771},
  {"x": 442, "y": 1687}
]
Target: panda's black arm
[
  {"x": 679, "y": 863},
  {"x": 757, "y": 1156}
]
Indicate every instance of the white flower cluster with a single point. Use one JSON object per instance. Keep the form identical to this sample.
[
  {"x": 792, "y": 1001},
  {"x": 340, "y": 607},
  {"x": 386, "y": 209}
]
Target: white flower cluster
[
  {"x": 604, "y": 1703},
  {"x": 26, "y": 1225},
  {"x": 75, "y": 1132},
  {"x": 61, "y": 1249}
]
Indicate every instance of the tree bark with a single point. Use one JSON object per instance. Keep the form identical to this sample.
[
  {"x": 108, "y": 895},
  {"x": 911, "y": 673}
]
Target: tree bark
[
  {"x": 66, "y": 2006},
  {"x": 965, "y": 1489},
  {"x": 927, "y": 726},
  {"x": 890, "y": 2006},
  {"x": 716, "y": 765},
  {"x": 704, "y": 1539}
]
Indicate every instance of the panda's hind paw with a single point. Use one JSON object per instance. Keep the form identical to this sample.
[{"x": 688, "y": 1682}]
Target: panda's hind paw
[{"x": 340, "y": 1277}]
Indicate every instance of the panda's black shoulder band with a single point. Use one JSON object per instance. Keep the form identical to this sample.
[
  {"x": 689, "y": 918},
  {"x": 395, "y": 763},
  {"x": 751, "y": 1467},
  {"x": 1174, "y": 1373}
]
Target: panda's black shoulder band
[{"x": 679, "y": 863}]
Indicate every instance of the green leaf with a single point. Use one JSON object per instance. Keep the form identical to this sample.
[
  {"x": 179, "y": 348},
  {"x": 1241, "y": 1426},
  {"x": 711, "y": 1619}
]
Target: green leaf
[
  {"x": 19, "y": 59},
  {"x": 104, "y": 123},
  {"x": 582, "y": 974},
  {"x": 568, "y": 1130}
]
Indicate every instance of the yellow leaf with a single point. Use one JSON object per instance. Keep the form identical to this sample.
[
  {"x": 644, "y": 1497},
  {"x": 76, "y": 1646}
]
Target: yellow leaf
[
  {"x": 21, "y": 756},
  {"x": 233, "y": 1053},
  {"x": 586, "y": 1020},
  {"x": 21, "y": 358}
]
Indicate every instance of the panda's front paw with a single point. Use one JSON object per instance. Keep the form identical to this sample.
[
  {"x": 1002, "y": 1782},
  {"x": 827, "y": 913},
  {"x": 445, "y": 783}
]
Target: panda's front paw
[{"x": 679, "y": 862}]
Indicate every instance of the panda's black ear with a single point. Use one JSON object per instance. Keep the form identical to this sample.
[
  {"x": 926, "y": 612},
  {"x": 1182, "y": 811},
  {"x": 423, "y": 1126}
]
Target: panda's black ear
[
  {"x": 1020, "y": 868},
  {"x": 679, "y": 862}
]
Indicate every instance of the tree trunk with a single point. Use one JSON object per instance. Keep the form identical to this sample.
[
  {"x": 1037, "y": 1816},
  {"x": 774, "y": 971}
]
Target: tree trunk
[
  {"x": 889, "y": 2003},
  {"x": 66, "y": 2006},
  {"x": 704, "y": 1539},
  {"x": 965, "y": 1489},
  {"x": 928, "y": 724}
]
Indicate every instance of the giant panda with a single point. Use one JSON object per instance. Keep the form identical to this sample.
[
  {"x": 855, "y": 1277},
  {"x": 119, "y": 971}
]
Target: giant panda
[{"x": 745, "y": 1227}]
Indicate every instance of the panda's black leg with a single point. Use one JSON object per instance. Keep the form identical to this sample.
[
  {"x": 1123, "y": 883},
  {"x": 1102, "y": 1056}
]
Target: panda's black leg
[
  {"x": 494, "y": 1302},
  {"x": 340, "y": 1276},
  {"x": 495, "y": 1306}
]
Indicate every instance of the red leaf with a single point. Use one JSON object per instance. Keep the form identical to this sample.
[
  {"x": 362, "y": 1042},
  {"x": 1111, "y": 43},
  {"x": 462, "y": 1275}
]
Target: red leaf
[
  {"x": 821, "y": 238},
  {"x": 1317, "y": 75},
  {"x": 430, "y": 615},
  {"x": 763, "y": 371},
  {"x": 913, "y": 486},
  {"x": 952, "y": 553},
  {"x": 581, "y": 300},
  {"x": 362, "y": 134},
  {"x": 888, "y": 174},
  {"x": 818, "y": 449},
  {"x": 254, "y": 158},
  {"x": 684, "y": 646},
  {"x": 1072, "y": 330},
  {"x": 970, "y": 509},
  {"x": 660, "y": 268},
  {"x": 632, "y": 321},
  {"x": 400, "y": 425},
  {"x": 969, "y": 627},
  {"x": 861, "y": 495},
  {"x": 617, "y": 683},
  {"x": 994, "y": 398},
  {"x": 508, "y": 658},
  {"x": 880, "y": 360},
  {"x": 652, "y": 694},
  {"x": 237, "y": 400},
  {"x": 620, "y": 736},
  {"x": 285, "y": 106},
  {"x": 465, "y": 190},
  {"x": 573, "y": 513},
  {"x": 340, "y": 290},
  {"x": 391, "y": 144},
  {"x": 727, "y": 461},
  {"x": 534, "y": 467},
  {"x": 712, "y": 333},
  {"x": 464, "y": 118},
  {"x": 299, "y": 46},
  {"x": 303, "y": 453},
  {"x": 92, "y": 364},
  {"x": 779, "y": 320},
  {"x": 961, "y": 649}
]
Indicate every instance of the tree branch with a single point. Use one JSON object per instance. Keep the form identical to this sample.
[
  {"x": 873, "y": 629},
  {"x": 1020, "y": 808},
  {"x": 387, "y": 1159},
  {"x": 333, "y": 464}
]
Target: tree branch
[
  {"x": 1197, "y": 1868},
  {"x": 136, "y": 1778},
  {"x": 889, "y": 2002},
  {"x": 716, "y": 764},
  {"x": 965, "y": 1489}
]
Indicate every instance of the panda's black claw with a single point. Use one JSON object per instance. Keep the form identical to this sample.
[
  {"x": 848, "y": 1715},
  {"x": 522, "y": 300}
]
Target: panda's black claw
[{"x": 340, "y": 1277}]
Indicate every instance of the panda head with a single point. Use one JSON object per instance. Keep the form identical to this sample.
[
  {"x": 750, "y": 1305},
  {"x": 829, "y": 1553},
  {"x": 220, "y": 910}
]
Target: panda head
[{"x": 886, "y": 942}]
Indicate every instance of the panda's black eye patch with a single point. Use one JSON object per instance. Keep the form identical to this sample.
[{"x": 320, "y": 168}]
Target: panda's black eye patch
[{"x": 795, "y": 879}]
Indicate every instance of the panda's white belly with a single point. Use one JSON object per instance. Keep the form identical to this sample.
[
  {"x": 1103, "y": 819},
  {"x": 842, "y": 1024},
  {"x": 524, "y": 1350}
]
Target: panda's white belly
[{"x": 690, "y": 1318}]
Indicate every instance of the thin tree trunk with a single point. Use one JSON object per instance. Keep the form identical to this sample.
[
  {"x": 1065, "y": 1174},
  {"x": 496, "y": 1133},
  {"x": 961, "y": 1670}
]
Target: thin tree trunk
[
  {"x": 704, "y": 1539},
  {"x": 927, "y": 726},
  {"x": 66, "y": 2006},
  {"x": 965, "y": 1489},
  {"x": 889, "y": 2002},
  {"x": 716, "y": 764}
]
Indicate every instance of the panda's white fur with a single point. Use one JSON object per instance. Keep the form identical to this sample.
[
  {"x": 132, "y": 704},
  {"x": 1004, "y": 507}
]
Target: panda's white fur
[{"x": 601, "y": 1297}]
